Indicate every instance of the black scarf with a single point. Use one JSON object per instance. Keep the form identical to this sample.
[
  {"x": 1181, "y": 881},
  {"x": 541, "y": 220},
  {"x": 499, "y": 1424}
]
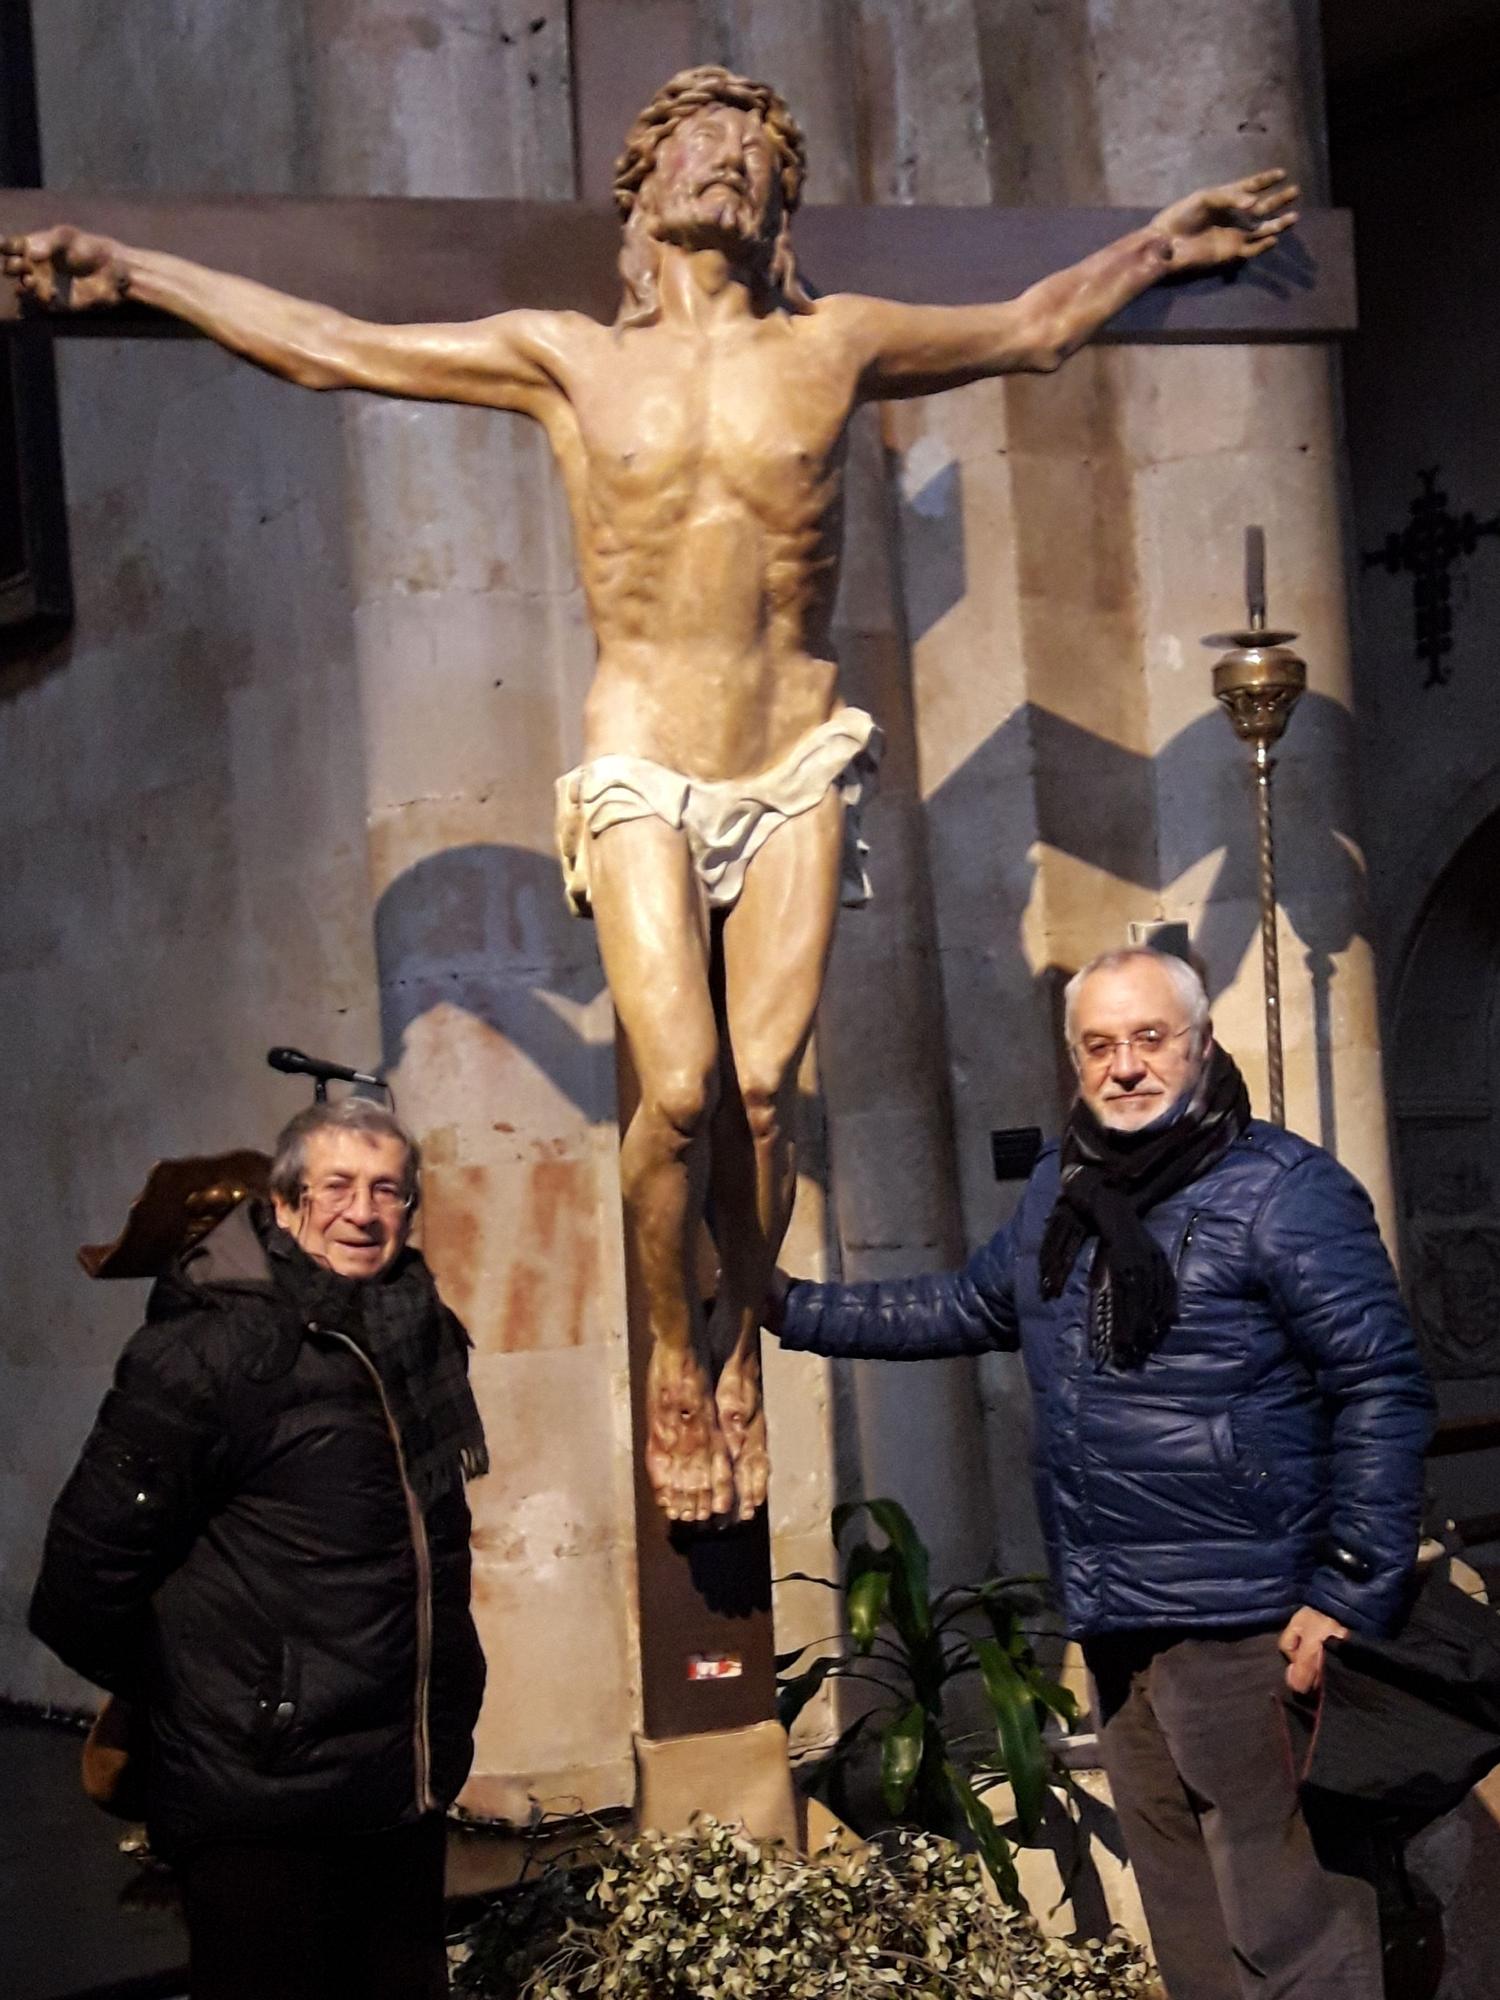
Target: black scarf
[
  {"x": 416, "y": 1346},
  {"x": 1109, "y": 1181}
]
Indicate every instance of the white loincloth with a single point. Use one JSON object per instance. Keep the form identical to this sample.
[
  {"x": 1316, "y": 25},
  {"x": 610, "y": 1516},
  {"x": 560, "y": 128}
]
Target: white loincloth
[{"x": 726, "y": 820}]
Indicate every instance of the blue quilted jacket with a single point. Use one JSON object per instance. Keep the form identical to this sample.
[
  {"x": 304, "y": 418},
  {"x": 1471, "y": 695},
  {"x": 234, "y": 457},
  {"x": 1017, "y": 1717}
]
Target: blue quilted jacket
[{"x": 1268, "y": 1454}]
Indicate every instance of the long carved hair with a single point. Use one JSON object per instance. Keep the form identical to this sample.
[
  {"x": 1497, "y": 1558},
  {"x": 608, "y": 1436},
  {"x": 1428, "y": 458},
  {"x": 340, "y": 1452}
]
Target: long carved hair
[{"x": 640, "y": 252}]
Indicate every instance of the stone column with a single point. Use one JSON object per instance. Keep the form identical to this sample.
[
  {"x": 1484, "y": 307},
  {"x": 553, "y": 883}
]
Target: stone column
[
  {"x": 473, "y": 657},
  {"x": 1072, "y": 537},
  {"x": 1203, "y": 442},
  {"x": 1064, "y": 542}
]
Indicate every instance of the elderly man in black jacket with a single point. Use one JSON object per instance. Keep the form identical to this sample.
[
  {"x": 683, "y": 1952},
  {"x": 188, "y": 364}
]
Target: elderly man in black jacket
[
  {"x": 264, "y": 1549},
  {"x": 1230, "y": 1423}
]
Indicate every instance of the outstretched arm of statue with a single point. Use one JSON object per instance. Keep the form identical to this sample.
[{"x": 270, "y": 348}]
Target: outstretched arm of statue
[
  {"x": 502, "y": 362},
  {"x": 906, "y": 350}
]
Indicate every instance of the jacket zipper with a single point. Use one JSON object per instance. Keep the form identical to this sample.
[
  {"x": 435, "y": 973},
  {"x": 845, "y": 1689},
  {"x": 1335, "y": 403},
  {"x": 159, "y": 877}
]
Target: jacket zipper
[
  {"x": 421, "y": 1739},
  {"x": 1187, "y": 1237}
]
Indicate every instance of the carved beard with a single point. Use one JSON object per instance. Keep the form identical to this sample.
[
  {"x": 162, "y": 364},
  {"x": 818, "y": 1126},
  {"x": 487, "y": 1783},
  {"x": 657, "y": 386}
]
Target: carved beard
[
  {"x": 721, "y": 216},
  {"x": 763, "y": 250}
]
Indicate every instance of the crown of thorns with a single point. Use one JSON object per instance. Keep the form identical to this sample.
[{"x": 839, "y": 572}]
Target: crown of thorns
[{"x": 689, "y": 91}]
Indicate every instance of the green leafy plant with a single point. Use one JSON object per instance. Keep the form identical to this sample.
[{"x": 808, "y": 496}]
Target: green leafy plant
[
  {"x": 912, "y": 1647},
  {"x": 715, "y": 1915}
]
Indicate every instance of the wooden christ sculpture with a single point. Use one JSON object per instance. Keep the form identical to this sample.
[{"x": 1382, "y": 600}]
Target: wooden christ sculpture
[{"x": 712, "y": 828}]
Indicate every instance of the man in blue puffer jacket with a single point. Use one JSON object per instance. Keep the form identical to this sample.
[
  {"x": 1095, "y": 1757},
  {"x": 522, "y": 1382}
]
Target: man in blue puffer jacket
[{"x": 1230, "y": 1423}]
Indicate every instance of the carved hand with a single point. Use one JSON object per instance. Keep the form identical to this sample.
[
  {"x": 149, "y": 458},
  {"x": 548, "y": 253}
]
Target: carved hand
[
  {"x": 65, "y": 270},
  {"x": 1222, "y": 225}
]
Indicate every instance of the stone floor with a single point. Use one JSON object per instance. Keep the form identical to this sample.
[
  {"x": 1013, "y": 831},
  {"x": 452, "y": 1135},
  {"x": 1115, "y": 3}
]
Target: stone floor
[{"x": 79, "y": 1920}]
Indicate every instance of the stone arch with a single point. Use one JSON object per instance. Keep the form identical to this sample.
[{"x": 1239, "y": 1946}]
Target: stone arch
[
  {"x": 1444, "y": 1059},
  {"x": 1432, "y": 851}
]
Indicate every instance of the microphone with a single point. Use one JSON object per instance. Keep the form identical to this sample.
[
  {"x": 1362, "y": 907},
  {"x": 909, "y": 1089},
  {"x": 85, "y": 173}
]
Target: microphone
[{"x": 292, "y": 1062}]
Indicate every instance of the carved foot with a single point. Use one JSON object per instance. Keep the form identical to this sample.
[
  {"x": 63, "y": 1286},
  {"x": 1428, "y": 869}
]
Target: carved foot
[
  {"x": 687, "y": 1463},
  {"x": 742, "y": 1419}
]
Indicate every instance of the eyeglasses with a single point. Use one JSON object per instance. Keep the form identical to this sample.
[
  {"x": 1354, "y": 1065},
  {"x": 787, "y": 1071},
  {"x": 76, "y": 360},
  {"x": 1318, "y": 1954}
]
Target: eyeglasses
[
  {"x": 332, "y": 1198},
  {"x": 1097, "y": 1051}
]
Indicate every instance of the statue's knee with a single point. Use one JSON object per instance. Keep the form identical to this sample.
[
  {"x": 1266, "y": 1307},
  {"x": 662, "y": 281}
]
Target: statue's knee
[
  {"x": 678, "y": 1105},
  {"x": 763, "y": 1094}
]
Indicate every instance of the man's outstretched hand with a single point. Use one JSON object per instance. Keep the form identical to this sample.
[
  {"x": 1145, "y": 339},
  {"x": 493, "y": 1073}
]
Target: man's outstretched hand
[
  {"x": 1223, "y": 225},
  {"x": 1302, "y": 1643},
  {"x": 65, "y": 270}
]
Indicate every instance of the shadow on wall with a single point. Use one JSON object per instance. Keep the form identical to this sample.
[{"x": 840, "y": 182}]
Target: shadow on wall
[
  {"x": 486, "y": 928},
  {"x": 1149, "y": 820}
]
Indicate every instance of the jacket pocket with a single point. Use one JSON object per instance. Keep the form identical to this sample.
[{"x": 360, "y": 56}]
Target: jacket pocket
[
  {"x": 277, "y": 1699},
  {"x": 1251, "y": 1479}
]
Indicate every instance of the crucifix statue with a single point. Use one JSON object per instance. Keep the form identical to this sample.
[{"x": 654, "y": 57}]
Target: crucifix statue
[{"x": 712, "y": 829}]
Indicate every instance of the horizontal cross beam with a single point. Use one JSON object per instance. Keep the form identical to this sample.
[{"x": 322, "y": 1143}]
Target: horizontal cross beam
[{"x": 401, "y": 259}]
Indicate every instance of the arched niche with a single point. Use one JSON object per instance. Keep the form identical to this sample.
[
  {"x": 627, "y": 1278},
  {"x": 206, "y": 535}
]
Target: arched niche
[{"x": 1444, "y": 1056}]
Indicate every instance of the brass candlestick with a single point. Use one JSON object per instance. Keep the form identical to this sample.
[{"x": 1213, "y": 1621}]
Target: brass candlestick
[{"x": 1258, "y": 680}]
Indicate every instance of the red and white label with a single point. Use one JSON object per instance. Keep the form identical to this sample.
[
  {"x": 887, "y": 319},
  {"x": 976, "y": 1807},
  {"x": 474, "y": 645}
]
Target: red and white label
[{"x": 714, "y": 1667}]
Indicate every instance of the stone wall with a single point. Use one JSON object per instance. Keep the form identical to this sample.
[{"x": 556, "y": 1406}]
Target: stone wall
[{"x": 181, "y": 782}]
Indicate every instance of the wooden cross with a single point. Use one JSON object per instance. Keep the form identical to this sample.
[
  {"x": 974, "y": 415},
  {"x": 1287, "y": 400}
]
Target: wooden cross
[
  {"x": 705, "y": 1621},
  {"x": 392, "y": 259}
]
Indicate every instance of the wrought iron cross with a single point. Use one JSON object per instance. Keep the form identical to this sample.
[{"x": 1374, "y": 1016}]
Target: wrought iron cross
[{"x": 1427, "y": 549}]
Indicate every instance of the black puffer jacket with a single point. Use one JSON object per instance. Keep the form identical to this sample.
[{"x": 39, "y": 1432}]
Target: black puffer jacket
[{"x": 239, "y": 1550}]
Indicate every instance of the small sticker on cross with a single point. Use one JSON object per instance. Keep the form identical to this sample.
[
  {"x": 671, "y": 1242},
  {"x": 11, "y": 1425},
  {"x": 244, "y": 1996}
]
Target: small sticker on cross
[{"x": 714, "y": 1667}]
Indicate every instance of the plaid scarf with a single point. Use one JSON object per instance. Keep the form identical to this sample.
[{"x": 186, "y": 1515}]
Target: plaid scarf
[
  {"x": 417, "y": 1347},
  {"x": 1109, "y": 1181}
]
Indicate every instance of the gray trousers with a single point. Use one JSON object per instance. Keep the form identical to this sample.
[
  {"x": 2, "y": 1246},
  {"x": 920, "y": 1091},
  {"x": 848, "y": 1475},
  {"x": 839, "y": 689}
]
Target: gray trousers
[{"x": 1244, "y": 1899}]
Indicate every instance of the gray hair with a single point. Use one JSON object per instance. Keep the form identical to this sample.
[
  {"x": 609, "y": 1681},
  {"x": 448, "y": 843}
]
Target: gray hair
[
  {"x": 349, "y": 1114},
  {"x": 1184, "y": 977}
]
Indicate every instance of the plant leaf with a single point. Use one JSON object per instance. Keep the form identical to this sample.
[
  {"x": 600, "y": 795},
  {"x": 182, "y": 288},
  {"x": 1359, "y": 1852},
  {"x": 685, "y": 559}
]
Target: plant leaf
[
  {"x": 847, "y": 1740},
  {"x": 990, "y": 1840},
  {"x": 1062, "y": 1701},
  {"x": 910, "y": 1604},
  {"x": 866, "y": 1605},
  {"x": 831, "y": 1762},
  {"x": 785, "y": 1660},
  {"x": 901, "y": 1755},
  {"x": 793, "y": 1695},
  {"x": 865, "y": 1557},
  {"x": 1021, "y": 1747},
  {"x": 913, "y": 1568}
]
